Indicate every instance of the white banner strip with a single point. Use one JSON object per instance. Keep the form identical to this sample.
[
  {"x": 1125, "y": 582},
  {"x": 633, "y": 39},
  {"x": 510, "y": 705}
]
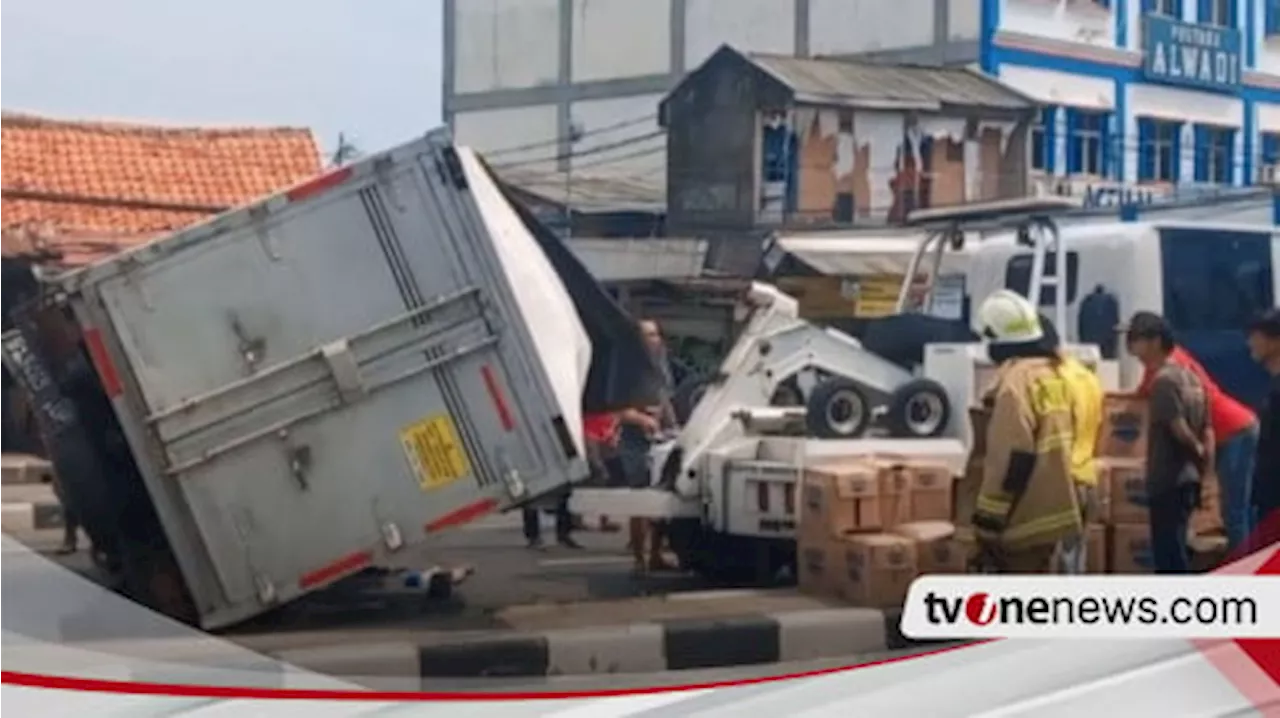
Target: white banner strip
[{"x": 1093, "y": 607}]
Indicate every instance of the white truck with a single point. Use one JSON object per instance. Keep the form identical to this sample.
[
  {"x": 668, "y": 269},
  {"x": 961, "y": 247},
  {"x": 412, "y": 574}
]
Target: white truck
[{"x": 289, "y": 393}]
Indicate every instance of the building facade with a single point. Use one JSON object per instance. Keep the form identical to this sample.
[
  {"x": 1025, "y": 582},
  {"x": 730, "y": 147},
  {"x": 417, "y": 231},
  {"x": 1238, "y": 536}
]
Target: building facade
[
  {"x": 1159, "y": 92},
  {"x": 560, "y": 84},
  {"x": 1156, "y": 93},
  {"x": 762, "y": 141}
]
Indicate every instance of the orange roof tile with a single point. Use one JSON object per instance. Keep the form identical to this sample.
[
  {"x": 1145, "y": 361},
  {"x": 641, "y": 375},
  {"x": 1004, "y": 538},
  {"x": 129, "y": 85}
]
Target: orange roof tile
[{"x": 98, "y": 187}]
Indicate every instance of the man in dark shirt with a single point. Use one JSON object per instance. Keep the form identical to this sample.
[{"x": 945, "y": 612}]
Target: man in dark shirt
[
  {"x": 1179, "y": 446},
  {"x": 1264, "y": 345}
]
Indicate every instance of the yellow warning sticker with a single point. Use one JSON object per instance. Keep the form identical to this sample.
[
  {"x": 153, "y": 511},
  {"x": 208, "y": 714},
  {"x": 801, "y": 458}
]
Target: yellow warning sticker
[{"x": 434, "y": 451}]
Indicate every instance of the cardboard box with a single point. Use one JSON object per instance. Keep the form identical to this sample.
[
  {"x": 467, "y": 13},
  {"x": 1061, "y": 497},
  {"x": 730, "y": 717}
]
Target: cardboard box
[
  {"x": 1124, "y": 427},
  {"x": 938, "y": 550},
  {"x": 814, "y": 566},
  {"x": 1101, "y": 496},
  {"x": 875, "y": 570},
  {"x": 1130, "y": 549},
  {"x": 929, "y": 492},
  {"x": 1096, "y": 559},
  {"x": 840, "y": 497},
  {"x": 966, "y": 496},
  {"x": 1126, "y": 490},
  {"x": 867, "y": 494}
]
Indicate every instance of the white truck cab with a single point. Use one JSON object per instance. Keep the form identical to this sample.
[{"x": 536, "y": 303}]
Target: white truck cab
[{"x": 1208, "y": 279}]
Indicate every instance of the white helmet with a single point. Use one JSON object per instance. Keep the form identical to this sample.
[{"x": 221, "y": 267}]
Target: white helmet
[{"x": 1006, "y": 317}]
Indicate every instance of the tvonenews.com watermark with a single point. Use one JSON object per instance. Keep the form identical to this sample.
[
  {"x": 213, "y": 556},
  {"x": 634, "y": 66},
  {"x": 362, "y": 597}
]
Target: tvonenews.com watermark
[{"x": 1093, "y": 607}]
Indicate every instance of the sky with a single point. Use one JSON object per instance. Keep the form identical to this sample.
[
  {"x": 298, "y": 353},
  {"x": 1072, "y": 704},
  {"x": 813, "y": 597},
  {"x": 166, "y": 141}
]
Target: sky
[{"x": 367, "y": 68}]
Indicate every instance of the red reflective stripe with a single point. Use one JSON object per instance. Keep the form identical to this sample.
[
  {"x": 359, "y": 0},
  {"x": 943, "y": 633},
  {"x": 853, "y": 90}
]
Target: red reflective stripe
[
  {"x": 495, "y": 394},
  {"x": 102, "y": 362},
  {"x": 315, "y": 186},
  {"x": 343, "y": 566},
  {"x": 464, "y": 515}
]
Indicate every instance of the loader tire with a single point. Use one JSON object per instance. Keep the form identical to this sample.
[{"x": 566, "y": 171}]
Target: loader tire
[
  {"x": 837, "y": 408},
  {"x": 918, "y": 409}
]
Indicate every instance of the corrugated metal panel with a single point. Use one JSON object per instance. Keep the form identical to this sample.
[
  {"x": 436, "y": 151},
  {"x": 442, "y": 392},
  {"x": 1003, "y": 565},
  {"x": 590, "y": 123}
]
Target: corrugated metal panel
[
  {"x": 617, "y": 260},
  {"x": 587, "y": 192},
  {"x": 889, "y": 85}
]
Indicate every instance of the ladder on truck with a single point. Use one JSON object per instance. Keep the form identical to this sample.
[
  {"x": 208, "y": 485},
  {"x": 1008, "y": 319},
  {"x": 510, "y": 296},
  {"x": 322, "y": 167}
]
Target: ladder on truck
[{"x": 1032, "y": 218}]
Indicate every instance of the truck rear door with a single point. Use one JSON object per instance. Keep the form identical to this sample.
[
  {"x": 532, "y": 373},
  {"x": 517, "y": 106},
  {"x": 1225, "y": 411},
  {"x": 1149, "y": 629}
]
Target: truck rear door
[{"x": 328, "y": 376}]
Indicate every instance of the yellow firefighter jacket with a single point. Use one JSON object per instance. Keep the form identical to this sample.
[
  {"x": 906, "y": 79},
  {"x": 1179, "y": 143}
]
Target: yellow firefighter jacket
[{"x": 1027, "y": 497}]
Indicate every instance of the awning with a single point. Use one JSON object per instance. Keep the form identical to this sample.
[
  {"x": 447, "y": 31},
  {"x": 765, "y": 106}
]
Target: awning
[
  {"x": 867, "y": 255},
  {"x": 1060, "y": 88},
  {"x": 616, "y": 260}
]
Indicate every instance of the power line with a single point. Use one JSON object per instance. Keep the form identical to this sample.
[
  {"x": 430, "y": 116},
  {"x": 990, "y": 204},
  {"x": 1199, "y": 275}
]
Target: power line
[
  {"x": 572, "y": 136},
  {"x": 583, "y": 153}
]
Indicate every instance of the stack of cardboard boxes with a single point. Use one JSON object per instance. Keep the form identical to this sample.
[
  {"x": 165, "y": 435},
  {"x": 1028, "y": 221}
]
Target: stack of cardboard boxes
[
  {"x": 1122, "y": 489},
  {"x": 870, "y": 525}
]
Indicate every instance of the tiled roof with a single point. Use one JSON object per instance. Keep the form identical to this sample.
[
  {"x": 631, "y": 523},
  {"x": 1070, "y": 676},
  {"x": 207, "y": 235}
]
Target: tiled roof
[{"x": 87, "y": 189}]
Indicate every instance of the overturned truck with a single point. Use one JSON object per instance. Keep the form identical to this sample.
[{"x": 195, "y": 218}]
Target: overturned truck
[{"x": 285, "y": 395}]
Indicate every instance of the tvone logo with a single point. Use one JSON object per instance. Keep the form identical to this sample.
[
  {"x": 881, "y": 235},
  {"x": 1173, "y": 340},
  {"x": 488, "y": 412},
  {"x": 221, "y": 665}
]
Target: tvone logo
[{"x": 980, "y": 609}]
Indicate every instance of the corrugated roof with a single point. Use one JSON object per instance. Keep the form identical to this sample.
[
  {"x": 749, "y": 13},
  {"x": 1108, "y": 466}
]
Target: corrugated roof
[
  {"x": 900, "y": 86},
  {"x": 93, "y": 188},
  {"x": 599, "y": 191}
]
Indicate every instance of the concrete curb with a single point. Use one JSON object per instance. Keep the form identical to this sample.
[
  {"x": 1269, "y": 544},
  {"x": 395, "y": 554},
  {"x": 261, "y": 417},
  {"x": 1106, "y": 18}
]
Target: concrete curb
[
  {"x": 23, "y": 470},
  {"x": 28, "y": 516},
  {"x": 634, "y": 648}
]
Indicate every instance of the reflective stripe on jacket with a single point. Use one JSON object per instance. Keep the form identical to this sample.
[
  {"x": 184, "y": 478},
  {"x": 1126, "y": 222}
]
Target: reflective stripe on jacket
[{"x": 1028, "y": 496}]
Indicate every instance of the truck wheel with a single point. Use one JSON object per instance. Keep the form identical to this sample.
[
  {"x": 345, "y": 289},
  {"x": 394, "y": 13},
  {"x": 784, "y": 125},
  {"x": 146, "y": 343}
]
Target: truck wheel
[
  {"x": 918, "y": 409},
  {"x": 837, "y": 408},
  {"x": 687, "y": 396}
]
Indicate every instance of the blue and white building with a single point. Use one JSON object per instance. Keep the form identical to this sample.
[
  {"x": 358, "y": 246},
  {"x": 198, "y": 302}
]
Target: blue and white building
[{"x": 1159, "y": 92}]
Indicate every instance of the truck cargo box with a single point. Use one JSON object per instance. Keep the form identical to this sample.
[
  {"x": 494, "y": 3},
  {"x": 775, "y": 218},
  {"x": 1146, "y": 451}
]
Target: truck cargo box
[{"x": 308, "y": 384}]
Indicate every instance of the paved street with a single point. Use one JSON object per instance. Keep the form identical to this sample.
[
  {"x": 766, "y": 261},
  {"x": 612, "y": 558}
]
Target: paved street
[{"x": 506, "y": 574}]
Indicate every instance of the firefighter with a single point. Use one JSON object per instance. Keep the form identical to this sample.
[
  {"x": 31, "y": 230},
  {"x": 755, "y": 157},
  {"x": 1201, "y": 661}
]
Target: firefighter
[{"x": 1027, "y": 503}]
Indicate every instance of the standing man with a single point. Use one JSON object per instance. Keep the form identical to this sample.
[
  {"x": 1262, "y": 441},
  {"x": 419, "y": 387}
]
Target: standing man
[
  {"x": 1264, "y": 345},
  {"x": 1086, "y": 417},
  {"x": 1027, "y": 503},
  {"x": 1179, "y": 443},
  {"x": 639, "y": 428},
  {"x": 1234, "y": 426}
]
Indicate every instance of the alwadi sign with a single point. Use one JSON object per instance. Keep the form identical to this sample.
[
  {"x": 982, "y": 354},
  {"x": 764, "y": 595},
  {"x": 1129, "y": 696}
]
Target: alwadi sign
[{"x": 1203, "y": 56}]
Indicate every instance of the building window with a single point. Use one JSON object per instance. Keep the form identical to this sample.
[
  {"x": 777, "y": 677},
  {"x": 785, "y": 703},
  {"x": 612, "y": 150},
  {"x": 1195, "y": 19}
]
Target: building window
[
  {"x": 1271, "y": 21},
  {"x": 1170, "y": 8},
  {"x": 1215, "y": 150},
  {"x": 1086, "y": 142},
  {"x": 1042, "y": 140},
  {"x": 1158, "y": 152},
  {"x": 1269, "y": 142},
  {"x": 1218, "y": 12}
]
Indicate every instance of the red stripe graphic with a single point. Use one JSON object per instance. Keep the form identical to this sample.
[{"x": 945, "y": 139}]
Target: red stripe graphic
[
  {"x": 94, "y": 685},
  {"x": 499, "y": 401},
  {"x": 343, "y": 566},
  {"x": 464, "y": 515},
  {"x": 102, "y": 362}
]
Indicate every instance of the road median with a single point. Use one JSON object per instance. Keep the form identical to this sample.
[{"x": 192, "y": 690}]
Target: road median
[{"x": 676, "y": 633}]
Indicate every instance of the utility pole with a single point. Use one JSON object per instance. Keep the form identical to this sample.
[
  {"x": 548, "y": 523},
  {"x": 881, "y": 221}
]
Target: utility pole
[{"x": 575, "y": 134}]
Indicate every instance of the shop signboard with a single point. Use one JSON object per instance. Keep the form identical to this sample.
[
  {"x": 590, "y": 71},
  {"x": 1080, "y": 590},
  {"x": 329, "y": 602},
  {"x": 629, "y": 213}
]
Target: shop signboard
[{"x": 1205, "y": 57}]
